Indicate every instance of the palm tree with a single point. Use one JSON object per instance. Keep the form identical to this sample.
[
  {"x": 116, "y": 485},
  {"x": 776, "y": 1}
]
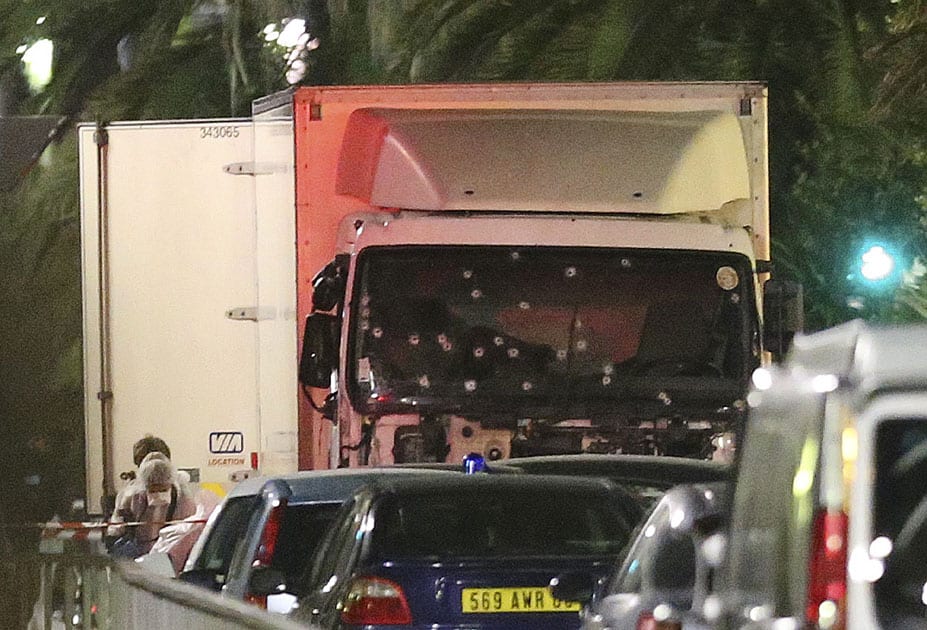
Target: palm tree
[
  {"x": 903, "y": 53},
  {"x": 834, "y": 170}
]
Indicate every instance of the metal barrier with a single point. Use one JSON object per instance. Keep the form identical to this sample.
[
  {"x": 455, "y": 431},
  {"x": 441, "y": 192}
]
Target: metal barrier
[{"x": 83, "y": 588}]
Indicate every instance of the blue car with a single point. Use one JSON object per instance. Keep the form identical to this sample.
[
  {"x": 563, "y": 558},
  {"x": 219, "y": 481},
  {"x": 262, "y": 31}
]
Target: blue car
[{"x": 460, "y": 551}]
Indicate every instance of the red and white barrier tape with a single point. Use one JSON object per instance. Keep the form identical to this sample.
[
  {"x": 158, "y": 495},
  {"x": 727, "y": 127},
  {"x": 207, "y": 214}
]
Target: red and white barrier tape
[{"x": 93, "y": 530}]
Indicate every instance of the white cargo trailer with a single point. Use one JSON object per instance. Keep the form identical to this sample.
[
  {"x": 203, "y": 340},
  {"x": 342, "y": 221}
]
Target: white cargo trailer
[{"x": 175, "y": 264}]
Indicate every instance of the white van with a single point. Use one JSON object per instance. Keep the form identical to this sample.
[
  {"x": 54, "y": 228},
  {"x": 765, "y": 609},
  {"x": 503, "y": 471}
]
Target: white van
[{"x": 829, "y": 518}]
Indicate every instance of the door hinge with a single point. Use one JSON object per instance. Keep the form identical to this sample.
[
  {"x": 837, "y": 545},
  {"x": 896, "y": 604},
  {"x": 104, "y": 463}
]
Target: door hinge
[
  {"x": 250, "y": 313},
  {"x": 253, "y": 168}
]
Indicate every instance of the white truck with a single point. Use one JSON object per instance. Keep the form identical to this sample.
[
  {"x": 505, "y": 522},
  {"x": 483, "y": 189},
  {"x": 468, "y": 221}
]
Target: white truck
[{"x": 506, "y": 269}]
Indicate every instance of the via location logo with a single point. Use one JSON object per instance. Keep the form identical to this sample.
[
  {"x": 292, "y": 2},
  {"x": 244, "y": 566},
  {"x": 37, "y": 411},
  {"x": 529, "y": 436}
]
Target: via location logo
[{"x": 223, "y": 442}]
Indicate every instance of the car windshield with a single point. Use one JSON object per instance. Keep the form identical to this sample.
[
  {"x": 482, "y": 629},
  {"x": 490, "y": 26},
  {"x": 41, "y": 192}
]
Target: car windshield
[
  {"x": 509, "y": 523},
  {"x": 557, "y": 327}
]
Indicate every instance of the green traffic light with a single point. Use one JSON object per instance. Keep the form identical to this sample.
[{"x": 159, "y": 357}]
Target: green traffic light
[{"x": 877, "y": 264}]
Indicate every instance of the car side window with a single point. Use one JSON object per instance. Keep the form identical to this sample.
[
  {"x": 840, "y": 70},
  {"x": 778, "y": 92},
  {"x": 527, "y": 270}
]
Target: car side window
[
  {"x": 301, "y": 532},
  {"x": 353, "y": 539},
  {"x": 328, "y": 553},
  {"x": 629, "y": 578}
]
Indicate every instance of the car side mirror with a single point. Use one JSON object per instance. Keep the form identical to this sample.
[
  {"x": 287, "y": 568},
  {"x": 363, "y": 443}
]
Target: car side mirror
[
  {"x": 574, "y": 586},
  {"x": 783, "y": 315},
  {"x": 265, "y": 581},
  {"x": 319, "y": 356}
]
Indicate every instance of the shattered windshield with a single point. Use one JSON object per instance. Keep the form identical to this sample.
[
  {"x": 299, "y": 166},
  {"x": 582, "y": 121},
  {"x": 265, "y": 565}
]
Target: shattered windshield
[{"x": 496, "y": 327}]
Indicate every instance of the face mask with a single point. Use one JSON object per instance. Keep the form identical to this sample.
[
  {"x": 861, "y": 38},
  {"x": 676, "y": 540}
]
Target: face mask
[{"x": 159, "y": 498}]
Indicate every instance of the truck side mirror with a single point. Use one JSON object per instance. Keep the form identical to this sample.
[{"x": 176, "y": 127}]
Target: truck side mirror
[
  {"x": 328, "y": 285},
  {"x": 320, "y": 350},
  {"x": 783, "y": 315}
]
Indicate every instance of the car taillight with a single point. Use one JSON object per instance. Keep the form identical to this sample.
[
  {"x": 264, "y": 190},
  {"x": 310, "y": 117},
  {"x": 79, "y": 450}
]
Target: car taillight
[
  {"x": 265, "y": 551},
  {"x": 827, "y": 574},
  {"x": 374, "y": 601},
  {"x": 266, "y": 547},
  {"x": 646, "y": 621}
]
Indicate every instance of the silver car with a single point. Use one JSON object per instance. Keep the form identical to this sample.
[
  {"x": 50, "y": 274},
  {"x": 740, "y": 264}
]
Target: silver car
[
  {"x": 663, "y": 579},
  {"x": 274, "y": 522}
]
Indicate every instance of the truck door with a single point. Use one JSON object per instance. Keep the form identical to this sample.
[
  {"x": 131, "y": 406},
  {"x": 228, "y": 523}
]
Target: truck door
[{"x": 168, "y": 271}]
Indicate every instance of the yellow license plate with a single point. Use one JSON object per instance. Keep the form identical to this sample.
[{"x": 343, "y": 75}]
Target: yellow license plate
[{"x": 513, "y": 600}]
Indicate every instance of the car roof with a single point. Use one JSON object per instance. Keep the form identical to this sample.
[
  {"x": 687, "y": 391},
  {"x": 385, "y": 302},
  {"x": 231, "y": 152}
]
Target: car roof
[
  {"x": 330, "y": 485},
  {"x": 662, "y": 470},
  {"x": 402, "y": 484},
  {"x": 699, "y": 500}
]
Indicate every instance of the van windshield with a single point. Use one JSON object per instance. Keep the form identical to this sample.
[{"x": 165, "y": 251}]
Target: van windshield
[{"x": 469, "y": 326}]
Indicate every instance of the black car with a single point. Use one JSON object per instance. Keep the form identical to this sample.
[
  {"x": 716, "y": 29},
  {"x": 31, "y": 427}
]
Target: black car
[
  {"x": 648, "y": 477},
  {"x": 462, "y": 551}
]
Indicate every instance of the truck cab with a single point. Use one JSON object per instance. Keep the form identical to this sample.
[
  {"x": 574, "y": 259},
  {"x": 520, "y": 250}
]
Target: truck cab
[{"x": 579, "y": 273}]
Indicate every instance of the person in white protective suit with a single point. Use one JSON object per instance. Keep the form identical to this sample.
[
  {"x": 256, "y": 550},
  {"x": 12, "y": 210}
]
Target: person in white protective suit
[{"x": 165, "y": 498}]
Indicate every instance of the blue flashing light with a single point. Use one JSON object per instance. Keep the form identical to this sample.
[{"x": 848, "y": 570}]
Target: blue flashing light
[{"x": 474, "y": 463}]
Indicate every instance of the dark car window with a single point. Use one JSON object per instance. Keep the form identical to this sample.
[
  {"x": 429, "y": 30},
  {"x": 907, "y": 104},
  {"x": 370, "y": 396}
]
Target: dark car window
[
  {"x": 647, "y": 494},
  {"x": 301, "y": 532},
  {"x": 227, "y": 532},
  {"x": 515, "y": 522},
  {"x": 900, "y": 518},
  {"x": 662, "y": 555},
  {"x": 329, "y": 551}
]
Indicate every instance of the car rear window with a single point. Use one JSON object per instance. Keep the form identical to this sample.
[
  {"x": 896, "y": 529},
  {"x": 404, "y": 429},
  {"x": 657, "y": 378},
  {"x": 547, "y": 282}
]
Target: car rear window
[
  {"x": 514, "y": 522},
  {"x": 900, "y": 519},
  {"x": 227, "y": 532}
]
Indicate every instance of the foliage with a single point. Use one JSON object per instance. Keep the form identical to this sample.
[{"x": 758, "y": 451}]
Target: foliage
[
  {"x": 846, "y": 81},
  {"x": 903, "y": 53},
  {"x": 866, "y": 185}
]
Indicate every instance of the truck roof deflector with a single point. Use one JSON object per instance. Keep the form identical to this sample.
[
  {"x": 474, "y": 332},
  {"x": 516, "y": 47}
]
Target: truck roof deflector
[{"x": 544, "y": 160}]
